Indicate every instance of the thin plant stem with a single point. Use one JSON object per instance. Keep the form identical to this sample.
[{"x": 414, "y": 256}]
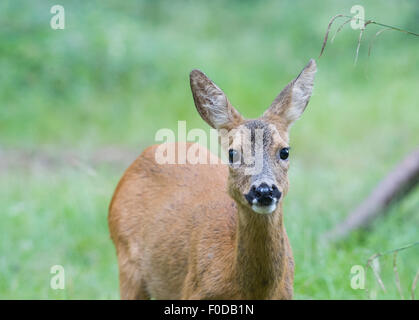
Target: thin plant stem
[
  {"x": 375, "y": 36},
  {"x": 366, "y": 22},
  {"x": 396, "y": 274},
  {"x": 415, "y": 281}
]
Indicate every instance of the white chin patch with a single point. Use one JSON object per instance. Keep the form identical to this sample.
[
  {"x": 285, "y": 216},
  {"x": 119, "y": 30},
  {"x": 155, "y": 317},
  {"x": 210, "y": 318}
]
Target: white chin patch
[{"x": 264, "y": 209}]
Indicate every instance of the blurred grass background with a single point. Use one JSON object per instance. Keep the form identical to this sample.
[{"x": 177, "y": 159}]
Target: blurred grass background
[{"x": 119, "y": 72}]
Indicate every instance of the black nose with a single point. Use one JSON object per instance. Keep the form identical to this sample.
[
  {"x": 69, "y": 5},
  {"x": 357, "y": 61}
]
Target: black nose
[
  {"x": 263, "y": 191},
  {"x": 265, "y": 194}
]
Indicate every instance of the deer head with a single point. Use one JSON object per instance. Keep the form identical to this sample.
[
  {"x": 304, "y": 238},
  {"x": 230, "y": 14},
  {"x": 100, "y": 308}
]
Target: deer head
[{"x": 258, "y": 149}]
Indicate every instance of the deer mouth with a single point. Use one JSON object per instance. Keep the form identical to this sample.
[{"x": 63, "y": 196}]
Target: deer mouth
[{"x": 265, "y": 209}]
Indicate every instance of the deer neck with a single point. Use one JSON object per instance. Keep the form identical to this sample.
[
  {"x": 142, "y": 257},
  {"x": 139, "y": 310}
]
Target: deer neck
[{"x": 260, "y": 252}]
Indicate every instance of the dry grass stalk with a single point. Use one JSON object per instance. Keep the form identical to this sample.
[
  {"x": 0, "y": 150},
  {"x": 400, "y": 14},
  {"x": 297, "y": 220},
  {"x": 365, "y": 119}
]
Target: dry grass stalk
[
  {"x": 366, "y": 22},
  {"x": 339, "y": 29},
  {"x": 370, "y": 264},
  {"x": 375, "y": 36},
  {"x": 359, "y": 45},
  {"x": 396, "y": 274},
  {"x": 375, "y": 270},
  {"x": 326, "y": 36},
  {"x": 415, "y": 281}
]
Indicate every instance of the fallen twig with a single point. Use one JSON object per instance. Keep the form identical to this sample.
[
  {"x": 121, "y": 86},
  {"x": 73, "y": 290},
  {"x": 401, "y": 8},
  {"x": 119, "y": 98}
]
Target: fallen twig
[{"x": 399, "y": 182}]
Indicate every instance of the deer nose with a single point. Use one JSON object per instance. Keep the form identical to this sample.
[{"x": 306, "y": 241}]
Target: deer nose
[
  {"x": 263, "y": 191},
  {"x": 265, "y": 195}
]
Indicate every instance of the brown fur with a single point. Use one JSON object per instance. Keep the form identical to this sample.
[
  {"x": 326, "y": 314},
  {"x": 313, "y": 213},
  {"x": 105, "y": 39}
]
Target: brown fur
[
  {"x": 169, "y": 247},
  {"x": 186, "y": 232}
]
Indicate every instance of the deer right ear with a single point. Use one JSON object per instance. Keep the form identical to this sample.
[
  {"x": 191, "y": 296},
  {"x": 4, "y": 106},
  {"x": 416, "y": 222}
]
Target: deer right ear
[
  {"x": 291, "y": 102},
  {"x": 212, "y": 104}
]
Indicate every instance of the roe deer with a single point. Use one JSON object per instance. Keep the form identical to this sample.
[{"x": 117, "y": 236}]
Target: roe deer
[{"x": 212, "y": 231}]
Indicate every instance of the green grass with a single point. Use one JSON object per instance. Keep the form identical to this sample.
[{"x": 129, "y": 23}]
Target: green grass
[
  {"x": 119, "y": 72},
  {"x": 56, "y": 219}
]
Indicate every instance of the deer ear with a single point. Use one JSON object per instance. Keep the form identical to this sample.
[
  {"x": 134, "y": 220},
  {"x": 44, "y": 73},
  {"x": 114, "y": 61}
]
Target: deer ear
[
  {"x": 291, "y": 102},
  {"x": 212, "y": 104}
]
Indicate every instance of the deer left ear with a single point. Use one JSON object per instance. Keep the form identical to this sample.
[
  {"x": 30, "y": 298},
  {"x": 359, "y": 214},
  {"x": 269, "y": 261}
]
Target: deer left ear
[{"x": 292, "y": 101}]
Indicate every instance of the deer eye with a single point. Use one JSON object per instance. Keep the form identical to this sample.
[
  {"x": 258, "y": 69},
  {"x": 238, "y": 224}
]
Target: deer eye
[
  {"x": 284, "y": 153},
  {"x": 233, "y": 156}
]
